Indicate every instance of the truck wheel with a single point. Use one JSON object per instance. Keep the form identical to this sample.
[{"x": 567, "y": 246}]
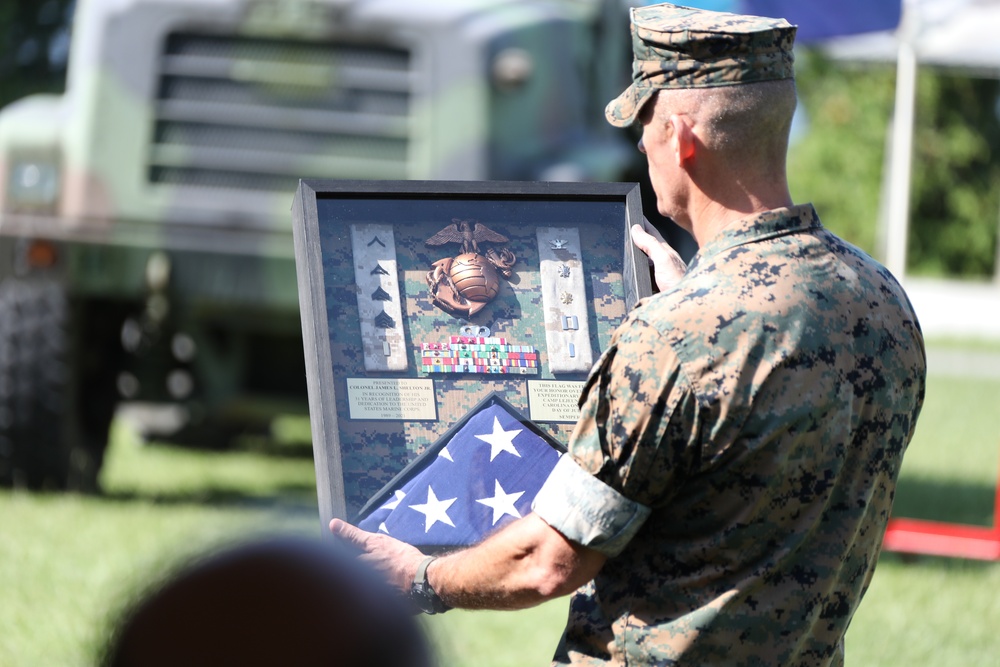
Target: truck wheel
[{"x": 41, "y": 442}]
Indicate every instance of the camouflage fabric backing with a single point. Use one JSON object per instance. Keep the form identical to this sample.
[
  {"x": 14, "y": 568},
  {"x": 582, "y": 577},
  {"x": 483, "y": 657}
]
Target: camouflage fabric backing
[{"x": 374, "y": 452}]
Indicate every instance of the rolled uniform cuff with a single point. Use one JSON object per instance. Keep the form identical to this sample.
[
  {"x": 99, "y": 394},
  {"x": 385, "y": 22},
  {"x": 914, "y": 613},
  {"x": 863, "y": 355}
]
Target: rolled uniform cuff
[{"x": 588, "y": 511}]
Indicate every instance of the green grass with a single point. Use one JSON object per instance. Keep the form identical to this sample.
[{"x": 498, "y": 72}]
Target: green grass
[
  {"x": 987, "y": 345},
  {"x": 930, "y": 611},
  {"x": 950, "y": 471},
  {"x": 937, "y": 611},
  {"x": 68, "y": 563},
  {"x": 498, "y": 639}
]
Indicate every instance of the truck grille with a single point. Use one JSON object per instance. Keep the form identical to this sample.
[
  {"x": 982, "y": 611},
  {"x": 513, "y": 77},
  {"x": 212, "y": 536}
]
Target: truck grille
[{"x": 241, "y": 112}]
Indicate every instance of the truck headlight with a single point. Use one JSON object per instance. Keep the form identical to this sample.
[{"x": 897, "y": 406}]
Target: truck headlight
[
  {"x": 512, "y": 68},
  {"x": 32, "y": 185}
]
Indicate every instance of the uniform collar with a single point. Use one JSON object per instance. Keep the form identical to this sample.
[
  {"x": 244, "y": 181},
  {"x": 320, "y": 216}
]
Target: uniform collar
[{"x": 759, "y": 227}]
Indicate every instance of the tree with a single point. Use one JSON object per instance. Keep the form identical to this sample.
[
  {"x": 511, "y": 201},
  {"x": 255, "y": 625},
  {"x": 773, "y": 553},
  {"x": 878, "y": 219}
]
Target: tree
[
  {"x": 956, "y": 171},
  {"x": 838, "y": 146},
  {"x": 837, "y": 161},
  {"x": 34, "y": 46}
]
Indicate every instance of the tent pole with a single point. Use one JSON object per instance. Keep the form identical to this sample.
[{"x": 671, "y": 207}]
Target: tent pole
[{"x": 897, "y": 229}]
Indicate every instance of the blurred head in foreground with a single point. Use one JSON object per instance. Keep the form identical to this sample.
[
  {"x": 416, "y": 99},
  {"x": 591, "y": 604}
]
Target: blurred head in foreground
[{"x": 283, "y": 601}]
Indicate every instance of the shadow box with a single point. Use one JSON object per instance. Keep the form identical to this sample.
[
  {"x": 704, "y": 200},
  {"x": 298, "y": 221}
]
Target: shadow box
[{"x": 420, "y": 299}]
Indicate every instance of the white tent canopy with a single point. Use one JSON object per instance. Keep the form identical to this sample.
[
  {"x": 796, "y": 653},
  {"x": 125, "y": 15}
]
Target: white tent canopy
[
  {"x": 943, "y": 33},
  {"x": 968, "y": 38}
]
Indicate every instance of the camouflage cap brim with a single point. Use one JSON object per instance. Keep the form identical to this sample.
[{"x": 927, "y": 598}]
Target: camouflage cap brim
[{"x": 624, "y": 109}]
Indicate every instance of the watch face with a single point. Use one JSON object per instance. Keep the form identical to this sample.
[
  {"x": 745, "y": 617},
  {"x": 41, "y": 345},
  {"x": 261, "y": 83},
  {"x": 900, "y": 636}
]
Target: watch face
[{"x": 423, "y": 596}]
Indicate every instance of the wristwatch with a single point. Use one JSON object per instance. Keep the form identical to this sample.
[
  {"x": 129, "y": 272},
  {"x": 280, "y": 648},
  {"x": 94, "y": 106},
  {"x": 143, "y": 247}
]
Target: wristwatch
[{"x": 422, "y": 594}]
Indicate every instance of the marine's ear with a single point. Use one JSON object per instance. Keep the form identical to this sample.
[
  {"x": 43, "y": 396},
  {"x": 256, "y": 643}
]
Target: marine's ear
[{"x": 682, "y": 139}]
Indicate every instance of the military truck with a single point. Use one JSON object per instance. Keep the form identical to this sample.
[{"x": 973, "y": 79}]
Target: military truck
[{"x": 145, "y": 235}]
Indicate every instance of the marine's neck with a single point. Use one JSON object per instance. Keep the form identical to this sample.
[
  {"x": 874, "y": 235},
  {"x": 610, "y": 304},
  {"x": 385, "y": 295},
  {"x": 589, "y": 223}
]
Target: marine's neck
[{"x": 710, "y": 210}]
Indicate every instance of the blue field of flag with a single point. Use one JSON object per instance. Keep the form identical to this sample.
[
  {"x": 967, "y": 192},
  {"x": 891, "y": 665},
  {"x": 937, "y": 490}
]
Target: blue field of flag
[{"x": 484, "y": 473}]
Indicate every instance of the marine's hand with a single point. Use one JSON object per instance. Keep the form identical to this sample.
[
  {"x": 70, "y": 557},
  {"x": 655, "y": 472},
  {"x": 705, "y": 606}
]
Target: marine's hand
[
  {"x": 397, "y": 560},
  {"x": 668, "y": 267}
]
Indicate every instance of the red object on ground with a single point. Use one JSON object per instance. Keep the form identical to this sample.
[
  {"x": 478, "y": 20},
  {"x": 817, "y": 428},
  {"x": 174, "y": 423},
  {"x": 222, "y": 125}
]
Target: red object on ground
[{"x": 953, "y": 540}]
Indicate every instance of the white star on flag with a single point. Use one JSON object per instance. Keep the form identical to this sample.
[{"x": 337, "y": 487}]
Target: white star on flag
[
  {"x": 500, "y": 440},
  {"x": 396, "y": 499},
  {"x": 434, "y": 510},
  {"x": 459, "y": 475},
  {"x": 502, "y": 502}
]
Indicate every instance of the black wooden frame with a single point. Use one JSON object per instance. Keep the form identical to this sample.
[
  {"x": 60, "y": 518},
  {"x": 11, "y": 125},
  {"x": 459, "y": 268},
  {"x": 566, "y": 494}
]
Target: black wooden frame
[{"x": 325, "y": 422}]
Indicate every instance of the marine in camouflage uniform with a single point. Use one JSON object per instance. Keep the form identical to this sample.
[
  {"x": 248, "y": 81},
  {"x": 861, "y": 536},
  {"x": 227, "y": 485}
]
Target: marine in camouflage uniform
[
  {"x": 757, "y": 449},
  {"x": 740, "y": 478},
  {"x": 732, "y": 472}
]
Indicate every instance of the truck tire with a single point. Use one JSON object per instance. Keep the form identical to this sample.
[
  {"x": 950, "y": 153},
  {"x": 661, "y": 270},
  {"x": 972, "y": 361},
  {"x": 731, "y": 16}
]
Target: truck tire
[{"x": 41, "y": 442}]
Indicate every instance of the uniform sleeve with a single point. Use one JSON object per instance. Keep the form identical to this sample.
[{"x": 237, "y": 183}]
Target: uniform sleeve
[
  {"x": 588, "y": 511},
  {"x": 632, "y": 447}
]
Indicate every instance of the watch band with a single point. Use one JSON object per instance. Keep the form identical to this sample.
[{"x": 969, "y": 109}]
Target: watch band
[
  {"x": 421, "y": 576},
  {"x": 423, "y": 593}
]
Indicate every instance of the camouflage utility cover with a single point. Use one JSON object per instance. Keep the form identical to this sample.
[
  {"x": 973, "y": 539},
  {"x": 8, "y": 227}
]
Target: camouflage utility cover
[
  {"x": 765, "y": 434},
  {"x": 680, "y": 47}
]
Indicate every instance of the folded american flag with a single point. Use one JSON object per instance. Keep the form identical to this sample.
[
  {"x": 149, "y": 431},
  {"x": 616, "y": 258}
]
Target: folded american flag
[{"x": 482, "y": 474}]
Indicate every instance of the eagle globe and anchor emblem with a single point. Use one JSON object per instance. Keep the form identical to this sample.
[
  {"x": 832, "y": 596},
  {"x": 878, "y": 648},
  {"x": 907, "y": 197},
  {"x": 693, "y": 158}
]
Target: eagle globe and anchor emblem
[{"x": 464, "y": 284}]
